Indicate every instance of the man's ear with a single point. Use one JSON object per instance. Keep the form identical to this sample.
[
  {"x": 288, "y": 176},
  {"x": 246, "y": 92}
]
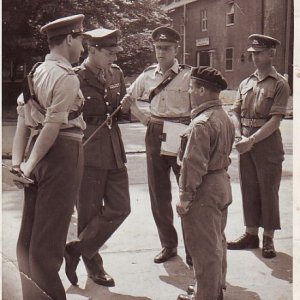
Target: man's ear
[{"x": 69, "y": 39}]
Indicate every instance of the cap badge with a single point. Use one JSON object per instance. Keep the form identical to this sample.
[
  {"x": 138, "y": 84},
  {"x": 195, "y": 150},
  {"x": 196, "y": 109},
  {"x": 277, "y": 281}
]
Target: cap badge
[
  {"x": 255, "y": 42},
  {"x": 162, "y": 37}
]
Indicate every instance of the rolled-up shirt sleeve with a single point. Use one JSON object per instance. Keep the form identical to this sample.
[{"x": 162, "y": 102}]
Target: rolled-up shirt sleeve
[
  {"x": 65, "y": 92},
  {"x": 195, "y": 162},
  {"x": 281, "y": 97},
  {"x": 236, "y": 107},
  {"x": 137, "y": 88},
  {"x": 20, "y": 105}
]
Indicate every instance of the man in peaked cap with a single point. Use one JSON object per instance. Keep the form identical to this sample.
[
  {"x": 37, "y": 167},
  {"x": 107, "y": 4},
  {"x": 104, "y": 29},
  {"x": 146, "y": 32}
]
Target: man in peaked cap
[
  {"x": 104, "y": 201},
  {"x": 55, "y": 160},
  {"x": 165, "y": 86},
  {"x": 204, "y": 185},
  {"x": 260, "y": 106}
]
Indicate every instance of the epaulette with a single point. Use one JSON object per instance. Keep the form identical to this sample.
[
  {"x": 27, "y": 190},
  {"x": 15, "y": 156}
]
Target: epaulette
[
  {"x": 66, "y": 68},
  {"x": 77, "y": 69},
  {"x": 150, "y": 67},
  {"x": 184, "y": 66},
  {"x": 203, "y": 117}
]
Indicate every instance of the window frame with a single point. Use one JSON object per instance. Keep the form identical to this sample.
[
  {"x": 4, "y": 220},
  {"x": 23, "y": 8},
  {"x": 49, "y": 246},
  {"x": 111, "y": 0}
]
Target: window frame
[
  {"x": 203, "y": 20},
  {"x": 230, "y": 13},
  {"x": 229, "y": 59}
]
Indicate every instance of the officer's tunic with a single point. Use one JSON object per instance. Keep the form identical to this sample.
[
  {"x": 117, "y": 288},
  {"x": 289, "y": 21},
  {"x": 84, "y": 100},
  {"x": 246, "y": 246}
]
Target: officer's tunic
[
  {"x": 260, "y": 168},
  {"x": 104, "y": 201},
  {"x": 206, "y": 145},
  {"x": 49, "y": 203},
  {"x": 172, "y": 103}
]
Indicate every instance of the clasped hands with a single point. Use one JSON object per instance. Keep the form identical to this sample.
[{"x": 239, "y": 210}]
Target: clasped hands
[{"x": 244, "y": 145}]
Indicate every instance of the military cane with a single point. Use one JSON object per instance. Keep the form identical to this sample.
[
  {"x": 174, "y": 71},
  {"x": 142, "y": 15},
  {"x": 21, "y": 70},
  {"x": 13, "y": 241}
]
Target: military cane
[{"x": 102, "y": 124}]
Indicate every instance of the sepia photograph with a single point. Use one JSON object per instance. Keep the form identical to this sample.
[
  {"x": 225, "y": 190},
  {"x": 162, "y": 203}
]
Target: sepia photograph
[{"x": 150, "y": 150}]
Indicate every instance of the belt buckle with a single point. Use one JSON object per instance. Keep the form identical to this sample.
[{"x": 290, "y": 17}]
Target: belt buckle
[
  {"x": 108, "y": 120},
  {"x": 251, "y": 123}
]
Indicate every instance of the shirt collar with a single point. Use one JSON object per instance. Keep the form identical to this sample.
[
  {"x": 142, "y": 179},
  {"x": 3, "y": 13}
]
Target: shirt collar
[
  {"x": 205, "y": 106},
  {"x": 174, "y": 68},
  {"x": 57, "y": 57},
  {"x": 88, "y": 65},
  {"x": 272, "y": 73}
]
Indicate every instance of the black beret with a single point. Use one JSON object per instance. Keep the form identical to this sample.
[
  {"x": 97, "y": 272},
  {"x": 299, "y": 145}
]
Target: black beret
[
  {"x": 104, "y": 38},
  {"x": 66, "y": 25},
  {"x": 261, "y": 42},
  {"x": 209, "y": 76},
  {"x": 165, "y": 34}
]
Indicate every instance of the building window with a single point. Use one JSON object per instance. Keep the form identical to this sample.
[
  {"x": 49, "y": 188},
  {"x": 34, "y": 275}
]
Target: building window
[
  {"x": 204, "y": 20},
  {"x": 230, "y": 14},
  {"x": 229, "y": 59}
]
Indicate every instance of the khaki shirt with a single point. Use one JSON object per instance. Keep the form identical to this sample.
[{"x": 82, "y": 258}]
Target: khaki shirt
[
  {"x": 173, "y": 100},
  {"x": 208, "y": 143},
  {"x": 260, "y": 99},
  {"x": 56, "y": 87}
]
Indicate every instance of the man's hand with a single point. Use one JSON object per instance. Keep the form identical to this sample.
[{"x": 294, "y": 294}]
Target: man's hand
[
  {"x": 244, "y": 145},
  {"x": 26, "y": 169},
  {"x": 182, "y": 207},
  {"x": 126, "y": 102}
]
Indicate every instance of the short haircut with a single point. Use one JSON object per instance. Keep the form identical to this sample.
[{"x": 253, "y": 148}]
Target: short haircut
[
  {"x": 58, "y": 40},
  {"x": 200, "y": 84}
]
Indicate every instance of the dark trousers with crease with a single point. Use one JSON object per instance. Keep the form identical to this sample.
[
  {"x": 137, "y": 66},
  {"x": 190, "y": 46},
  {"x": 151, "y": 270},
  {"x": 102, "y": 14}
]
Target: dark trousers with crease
[
  {"x": 159, "y": 168},
  {"x": 48, "y": 207},
  {"x": 260, "y": 175},
  {"x": 103, "y": 205}
]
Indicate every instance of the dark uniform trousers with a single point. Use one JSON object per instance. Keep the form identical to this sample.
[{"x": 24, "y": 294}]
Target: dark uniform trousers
[
  {"x": 206, "y": 221},
  {"x": 158, "y": 168},
  {"x": 48, "y": 207},
  {"x": 260, "y": 174},
  {"x": 104, "y": 205}
]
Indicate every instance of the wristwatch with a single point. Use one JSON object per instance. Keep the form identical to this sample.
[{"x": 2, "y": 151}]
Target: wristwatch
[{"x": 252, "y": 139}]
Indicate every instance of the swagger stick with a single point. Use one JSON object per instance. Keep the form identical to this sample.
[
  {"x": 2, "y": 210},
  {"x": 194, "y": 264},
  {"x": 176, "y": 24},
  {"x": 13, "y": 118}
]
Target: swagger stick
[{"x": 102, "y": 124}]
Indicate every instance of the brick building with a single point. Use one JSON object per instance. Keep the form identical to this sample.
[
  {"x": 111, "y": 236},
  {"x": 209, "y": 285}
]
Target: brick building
[{"x": 214, "y": 33}]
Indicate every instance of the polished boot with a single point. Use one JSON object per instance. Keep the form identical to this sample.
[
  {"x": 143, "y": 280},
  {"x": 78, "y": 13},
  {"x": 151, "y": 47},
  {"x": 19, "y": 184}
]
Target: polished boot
[
  {"x": 186, "y": 297},
  {"x": 246, "y": 241},
  {"x": 268, "y": 250},
  {"x": 96, "y": 272},
  {"x": 190, "y": 289},
  {"x": 165, "y": 254},
  {"x": 72, "y": 257}
]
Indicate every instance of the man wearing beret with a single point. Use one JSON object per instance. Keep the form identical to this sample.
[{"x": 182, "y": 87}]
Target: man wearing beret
[
  {"x": 165, "y": 86},
  {"x": 104, "y": 201},
  {"x": 204, "y": 185},
  {"x": 54, "y": 162},
  {"x": 260, "y": 106}
]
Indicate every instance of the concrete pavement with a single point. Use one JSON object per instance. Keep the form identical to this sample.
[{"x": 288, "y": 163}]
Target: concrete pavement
[{"x": 128, "y": 255}]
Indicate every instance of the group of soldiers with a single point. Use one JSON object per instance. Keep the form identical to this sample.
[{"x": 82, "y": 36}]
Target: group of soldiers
[{"x": 76, "y": 156}]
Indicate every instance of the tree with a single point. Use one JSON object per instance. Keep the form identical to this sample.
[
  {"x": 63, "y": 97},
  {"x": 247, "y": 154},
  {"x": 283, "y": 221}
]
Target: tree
[{"x": 22, "y": 20}]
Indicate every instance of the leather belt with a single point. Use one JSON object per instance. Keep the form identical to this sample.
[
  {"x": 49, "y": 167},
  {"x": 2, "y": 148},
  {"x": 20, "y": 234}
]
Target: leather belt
[
  {"x": 74, "y": 133},
  {"x": 253, "y": 122},
  {"x": 160, "y": 120}
]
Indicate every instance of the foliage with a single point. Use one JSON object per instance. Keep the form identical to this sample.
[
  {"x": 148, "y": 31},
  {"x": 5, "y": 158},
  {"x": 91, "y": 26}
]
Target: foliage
[{"x": 22, "y": 19}]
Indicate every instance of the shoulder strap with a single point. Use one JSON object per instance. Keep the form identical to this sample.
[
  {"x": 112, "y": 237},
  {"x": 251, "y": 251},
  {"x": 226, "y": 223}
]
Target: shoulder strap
[{"x": 161, "y": 86}]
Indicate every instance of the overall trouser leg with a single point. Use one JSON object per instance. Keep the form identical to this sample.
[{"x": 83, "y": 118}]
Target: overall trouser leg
[
  {"x": 107, "y": 192},
  {"x": 204, "y": 228},
  {"x": 158, "y": 168},
  {"x": 58, "y": 178}
]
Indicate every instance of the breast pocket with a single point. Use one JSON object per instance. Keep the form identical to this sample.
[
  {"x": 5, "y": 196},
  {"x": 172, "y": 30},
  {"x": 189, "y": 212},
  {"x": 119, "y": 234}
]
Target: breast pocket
[
  {"x": 178, "y": 100},
  {"x": 264, "y": 102},
  {"x": 246, "y": 93}
]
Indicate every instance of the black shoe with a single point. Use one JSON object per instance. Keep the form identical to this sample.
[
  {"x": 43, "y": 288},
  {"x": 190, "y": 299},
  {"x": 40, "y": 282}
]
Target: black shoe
[
  {"x": 246, "y": 241},
  {"x": 186, "y": 297},
  {"x": 71, "y": 259},
  {"x": 102, "y": 278},
  {"x": 268, "y": 250},
  {"x": 190, "y": 289},
  {"x": 165, "y": 254},
  {"x": 189, "y": 260}
]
